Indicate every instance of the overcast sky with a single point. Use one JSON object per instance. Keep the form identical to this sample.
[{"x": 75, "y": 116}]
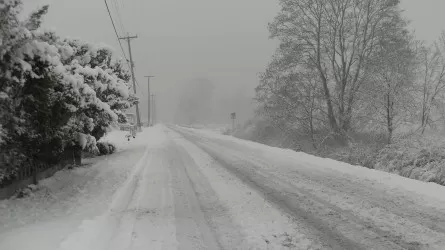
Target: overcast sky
[{"x": 224, "y": 41}]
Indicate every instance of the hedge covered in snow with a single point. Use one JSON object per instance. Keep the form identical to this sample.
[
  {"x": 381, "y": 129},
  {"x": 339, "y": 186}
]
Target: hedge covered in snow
[{"x": 54, "y": 92}]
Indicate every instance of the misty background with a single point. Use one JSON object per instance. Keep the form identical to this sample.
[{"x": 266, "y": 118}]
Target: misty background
[{"x": 185, "y": 43}]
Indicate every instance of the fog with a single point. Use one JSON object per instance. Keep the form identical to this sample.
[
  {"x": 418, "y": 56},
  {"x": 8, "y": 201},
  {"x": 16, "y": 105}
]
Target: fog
[{"x": 225, "y": 42}]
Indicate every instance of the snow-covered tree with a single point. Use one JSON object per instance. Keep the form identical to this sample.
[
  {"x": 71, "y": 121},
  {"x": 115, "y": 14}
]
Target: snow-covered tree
[
  {"x": 54, "y": 93},
  {"x": 431, "y": 83},
  {"x": 105, "y": 76},
  {"x": 389, "y": 94},
  {"x": 27, "y": 89},
  {"x": 291, "y": 97},
  {"x": 337, "y": 39}
]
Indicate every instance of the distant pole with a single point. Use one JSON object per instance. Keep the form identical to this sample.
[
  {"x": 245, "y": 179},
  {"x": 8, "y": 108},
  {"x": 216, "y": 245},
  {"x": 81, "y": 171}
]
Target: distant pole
[
  {"x": 128, "y": 38},
  {"x": 149, "y": 99},
  {"x": 153, "y": 105},
  {"x": 233, "y": 117}
]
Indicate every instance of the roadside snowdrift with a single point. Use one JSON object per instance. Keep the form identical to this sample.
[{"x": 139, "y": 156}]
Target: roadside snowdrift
[{"x": 393, "y": 182}]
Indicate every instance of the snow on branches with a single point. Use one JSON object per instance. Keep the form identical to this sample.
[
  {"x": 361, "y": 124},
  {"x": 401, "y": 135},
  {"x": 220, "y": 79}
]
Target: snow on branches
[{"x": 53, "y": 90}]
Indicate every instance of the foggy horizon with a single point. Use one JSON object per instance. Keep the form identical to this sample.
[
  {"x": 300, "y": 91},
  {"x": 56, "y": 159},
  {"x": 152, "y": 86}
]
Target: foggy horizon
[{"x": 226, "y": 42}]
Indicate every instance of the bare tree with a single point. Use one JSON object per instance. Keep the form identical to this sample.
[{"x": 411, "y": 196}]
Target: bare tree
[
  {"x": 337, "y": 38},
  {"x": 432, "y": 81},
  {"x": 391, "y": 76},
  {"x": 290, "y": 96}
]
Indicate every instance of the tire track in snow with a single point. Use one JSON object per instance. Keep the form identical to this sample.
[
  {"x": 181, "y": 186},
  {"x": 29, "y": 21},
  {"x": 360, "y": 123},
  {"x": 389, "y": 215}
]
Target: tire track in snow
[
  {"x": 155, "y": 223},
  {"x": 95, "y": 234},
  {"x": 318, "y": 230},
  {"x": 193, "y": 231},
  {"x": 391, "y": 200},
  {"x": 255, "y": 223},
  {"x": 262, "y": 181},
  {"x": 392, "y": 215}
]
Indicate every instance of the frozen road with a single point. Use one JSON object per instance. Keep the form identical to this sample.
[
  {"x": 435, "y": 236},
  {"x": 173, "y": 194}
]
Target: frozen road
[{"x": 191, "y": 189}]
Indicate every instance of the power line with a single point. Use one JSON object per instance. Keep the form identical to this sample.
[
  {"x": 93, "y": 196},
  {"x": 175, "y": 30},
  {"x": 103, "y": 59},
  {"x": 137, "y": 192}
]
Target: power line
[
  {"x": 119, "y": 40},
  {"x": 119, "y": 17},
  {"x": 137, "y": 83},
  {"x": 117, "y": 35}
]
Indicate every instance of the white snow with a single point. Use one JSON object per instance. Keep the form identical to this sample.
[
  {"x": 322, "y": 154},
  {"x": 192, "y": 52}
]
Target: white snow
[
  {"x": 215, "y": 128},
  {"x": 393, "y": 182},
  {"x": 258, "y": 220},
  {"x": 82, "y": 140},
  {"x": 98, "y": 233},
  {"x": 72, "y": 200},
  {"x": 155, "y": 191}
]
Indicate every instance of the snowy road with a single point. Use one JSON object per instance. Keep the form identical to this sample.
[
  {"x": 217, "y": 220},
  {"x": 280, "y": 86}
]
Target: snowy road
[{"x": 191, "y": 189}]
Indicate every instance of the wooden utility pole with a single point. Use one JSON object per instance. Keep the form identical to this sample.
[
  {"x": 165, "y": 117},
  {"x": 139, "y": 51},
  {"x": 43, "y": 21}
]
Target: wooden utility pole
[
  {"x": 149, "y": 100},
  {"x": 128, "y": 39},
  {"x": 153, "y": 105},
  {"x": 233, "y": 117}
]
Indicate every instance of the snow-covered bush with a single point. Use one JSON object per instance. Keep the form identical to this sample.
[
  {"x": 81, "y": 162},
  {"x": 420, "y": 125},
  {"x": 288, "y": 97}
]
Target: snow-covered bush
[
  {"x": 263, "y": 131},
  {"x": 52, "y": 90},
  {"x": 106, "y": 148},
  {"x": 415, "y": 156},
  {"x": 360, "y": 154},
  {"x": 420, "y": 157}
]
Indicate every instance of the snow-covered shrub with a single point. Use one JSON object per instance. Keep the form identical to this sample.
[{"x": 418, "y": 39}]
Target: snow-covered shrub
[
  {"x": 25, "y": 192},
  {"x": 263, "y": 131},
  {"x": 52, "y": 89},
  {"x": 420, "y": 157},
  {"x": 106, "y": 148},
  {"x": 88, "y": 144},
  {"x": 356, "y": 154},
  {"x": 11, "y": 161},
  {"x": 103, "y": 149}
]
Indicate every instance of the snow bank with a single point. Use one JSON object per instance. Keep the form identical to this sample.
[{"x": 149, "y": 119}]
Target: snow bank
[
  {"x": 393, "y": 182},
  {"x": 74, "y": 200}
]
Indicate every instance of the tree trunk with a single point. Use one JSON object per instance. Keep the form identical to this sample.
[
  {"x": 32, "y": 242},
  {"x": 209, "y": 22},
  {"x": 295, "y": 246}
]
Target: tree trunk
[
  {"x": 389, "y": 118},
  {"x": 311, "y": 124},
  {"x": 77, "y": 155},
  {"x": 73, "y": 155}
]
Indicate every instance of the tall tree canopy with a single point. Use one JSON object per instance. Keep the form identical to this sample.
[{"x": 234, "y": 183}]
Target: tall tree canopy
[
  {"x": 332, "y": 43},
  {"x": 54, "y": 92}
]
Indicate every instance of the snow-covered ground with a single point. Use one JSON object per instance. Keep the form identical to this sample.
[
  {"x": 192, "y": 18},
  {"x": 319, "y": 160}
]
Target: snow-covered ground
[
  {"x": 215, "y": 128},
  {"x": 390, "y": 180},
  {"x": 182, "y": 188},
  {"x": 63, "y": 201},
  {"x": 345, "y": 206}
]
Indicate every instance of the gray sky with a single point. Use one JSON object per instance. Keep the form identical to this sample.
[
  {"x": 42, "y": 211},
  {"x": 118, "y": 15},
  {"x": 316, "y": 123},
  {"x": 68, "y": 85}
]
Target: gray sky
[{"x": 224, "y": 41}]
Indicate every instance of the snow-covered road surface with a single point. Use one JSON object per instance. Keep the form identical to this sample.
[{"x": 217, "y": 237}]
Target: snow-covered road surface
[{"x": 178, "y": 188}]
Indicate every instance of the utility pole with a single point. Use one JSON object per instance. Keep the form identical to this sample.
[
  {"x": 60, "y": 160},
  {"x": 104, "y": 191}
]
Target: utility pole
[
  {"x": 153, "y": 109},
  {"x": 149, "y": 99},
  {"x": 233, "y": 117},
  {"x": 128, "y": 39}
]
